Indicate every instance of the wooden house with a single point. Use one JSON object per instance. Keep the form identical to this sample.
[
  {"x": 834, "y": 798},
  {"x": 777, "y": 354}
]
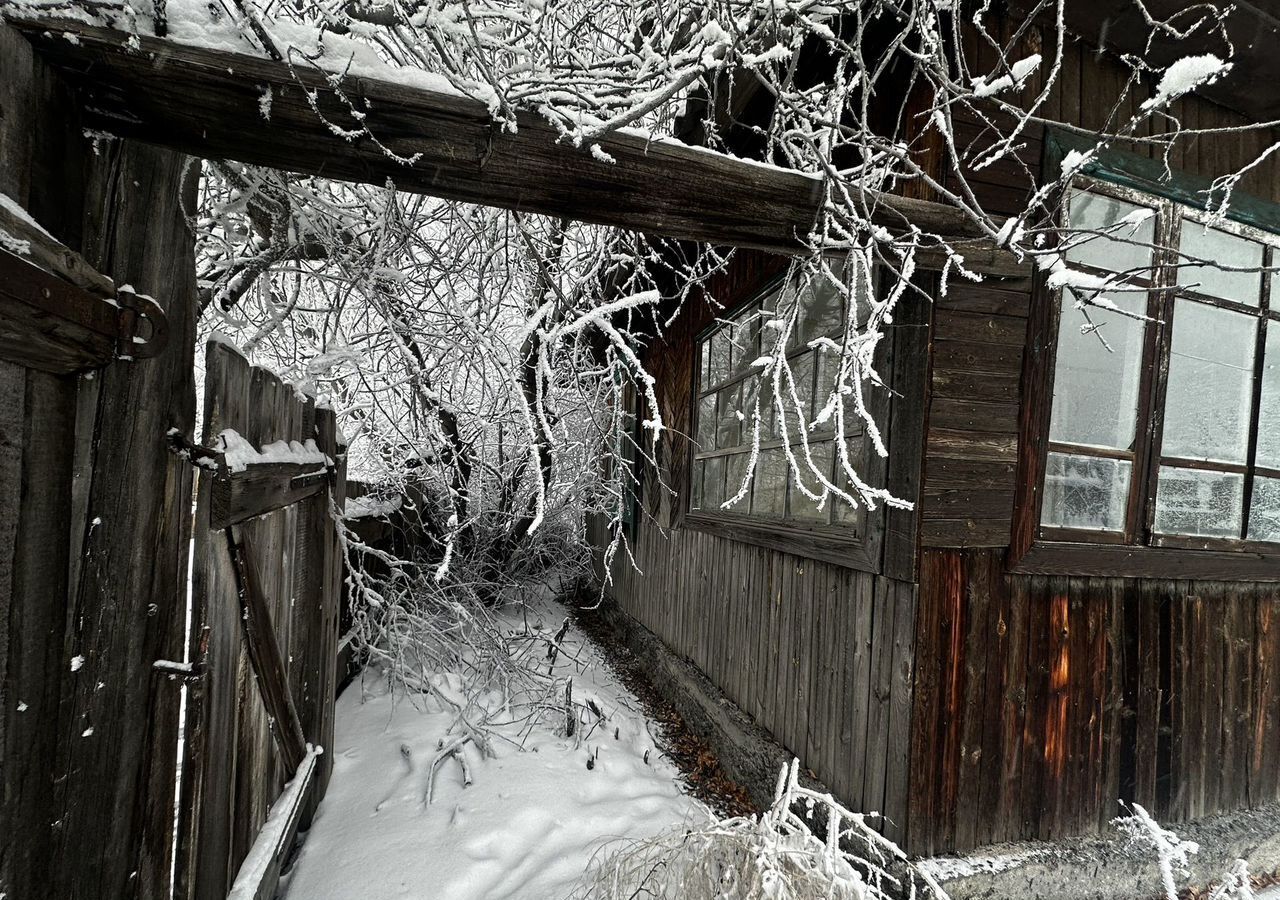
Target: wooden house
[{"x": 1082, "y": 606}]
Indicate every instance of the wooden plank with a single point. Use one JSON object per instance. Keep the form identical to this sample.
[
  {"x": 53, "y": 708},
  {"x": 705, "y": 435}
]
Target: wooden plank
[
  {"x": 263, "y": 488},
  {"x": 964, "y": 532},
  {"x": 976, "y": 327},
  {"x": 207, "y": 103},
  {"x": 264, "y": 652},
  {"x": 259, "y": 877},
  {"x": 898, "y": 785},
  {"x": 964, "y": 415},
  {"x": 858, "y": 681}
]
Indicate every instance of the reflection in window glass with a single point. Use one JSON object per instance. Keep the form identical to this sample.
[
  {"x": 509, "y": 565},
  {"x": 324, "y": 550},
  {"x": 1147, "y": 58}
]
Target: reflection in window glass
[
  {"x": 1085, "y": 492},
  {"x": 803, "y": 507},
  {"x": 1196, "y": 502},
  {"x": 769, "y": 492},
  {"x": 1225, "y": 249},
  {"x": 1264, "y": 512},
  {"x": 727, "y": 397},
  {"x": 1123, "y": 249},
  {"x": 1269, "y": 409},
  {"x": 735, "y": 470},
  {"x": 713, "y": 483},
  {"x": 1209, "y": 400},
  {"x": 728, "y": 425},
  {"x": 706, "y": 435},
  {"x": 1095, "y": 390}
]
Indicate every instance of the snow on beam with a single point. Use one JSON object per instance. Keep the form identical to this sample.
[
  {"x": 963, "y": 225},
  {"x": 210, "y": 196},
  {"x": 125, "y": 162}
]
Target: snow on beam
[{"x": 212, "y": 103}]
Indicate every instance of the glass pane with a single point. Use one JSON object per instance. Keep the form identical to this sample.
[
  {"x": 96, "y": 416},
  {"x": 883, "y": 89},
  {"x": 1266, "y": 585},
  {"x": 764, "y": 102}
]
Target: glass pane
[
  {"x": 768, "y": 424},
  {"x": 706, "y": 436},
  {"x": 1085, "y": 492},
  {"x": 843, "y": 513},
  {"x": 802, "y": 507},
  {"x": 704, "y": 365},
  {"x": 1264, "y": 515},
  {"x": 769, "y": 492},
  {"x": 728, "y": 426},
  {"x": 745, "y": 332},
  {"x": 802, "y": 375},
  {"x": 1194, "y": 502},
  {"x": 1126, "y": 248},
  {"x": 1226, "y": 249},
  {"x": 821, "y": 312},
  {"x": 735, "y": 470},
  {"x": 1095, "y": 384},
  {"x": 696, "y": 483},
  {"x": 1269, "y": 411},
  {"x": 1210, "y": 394},
  {"x": 713, "y": 483},
  {"x": 747, "y": 399},
  {"x": 721, "y": 357}
]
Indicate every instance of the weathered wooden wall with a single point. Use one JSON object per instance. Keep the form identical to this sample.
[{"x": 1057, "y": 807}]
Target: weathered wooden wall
[
  {"x": 237, "y": 768},
  {"x": 94, "y": 519},
  {"x": 819, "y": 654},
  {"x": 1042, "y": 701}
]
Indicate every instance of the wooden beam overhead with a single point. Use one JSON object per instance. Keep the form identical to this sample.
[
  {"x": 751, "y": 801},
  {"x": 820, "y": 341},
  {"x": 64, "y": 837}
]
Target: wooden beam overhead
[{"x": 208, "y": 103}]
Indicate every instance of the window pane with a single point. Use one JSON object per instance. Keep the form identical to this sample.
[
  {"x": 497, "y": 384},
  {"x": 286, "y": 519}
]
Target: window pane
[
  {"x": 802, "y": 374},
  {"x": 1210, "y": 393},
  {"x": 1095, "y": 389},
  {"x": 696, "y": 483},
  {"x": 1269, "y": 411},
  {"x": 1194, "y": 502},
  {"x": 802, "y": 507},
  {"x": 1085, "y": 492},
  {"x": 745, "y": 332},
  {"x": 728, "y": 426},
  {"x": 844, "y": 514},
  {"x": 713, "y": 483},
  {"x": 1264, "y": 515},
  {"x": 821, "y": 312},
  {"x": 1126, "y": 248},
  {"x": 768, "y": 424},
  {"x": 706, "y": 436},
  {"x": 769, "y": 492},
  {"x": 721, "y": 357},
  {"x": 1226, "y": 249},
  {"x": 704, "y": 365},
  {"x": 735, "y": 470}
]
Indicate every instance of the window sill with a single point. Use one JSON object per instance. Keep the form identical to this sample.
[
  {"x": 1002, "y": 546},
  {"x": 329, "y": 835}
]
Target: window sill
[
  {"x": 1127, "y": 561},
  {"x": 825, "y": 544}
]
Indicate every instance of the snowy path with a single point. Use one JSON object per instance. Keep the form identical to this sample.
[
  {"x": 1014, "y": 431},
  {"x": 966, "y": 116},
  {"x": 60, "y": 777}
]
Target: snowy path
[{"x": 525, "y": 829}]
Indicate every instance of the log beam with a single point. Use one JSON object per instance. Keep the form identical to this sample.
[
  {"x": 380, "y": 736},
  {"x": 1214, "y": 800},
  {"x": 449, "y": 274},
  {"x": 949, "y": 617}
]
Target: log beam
[{"x": 208, "y": 103}]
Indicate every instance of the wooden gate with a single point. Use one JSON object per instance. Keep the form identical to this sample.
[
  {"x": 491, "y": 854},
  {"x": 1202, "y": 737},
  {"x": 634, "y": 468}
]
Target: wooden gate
[{"x": 265, "y": 596}]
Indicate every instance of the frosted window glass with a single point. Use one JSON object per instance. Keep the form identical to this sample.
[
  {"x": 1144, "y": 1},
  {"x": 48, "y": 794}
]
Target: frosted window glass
[
  {"x": 1124, "y": 249},
  {"x": 1095, "y": 386},
  {"x": 1264, "y": 516},
  {"x": 1269, "y": 411},
  {"x": 1210, "y": 393},
  {"x": 699, "y": 465},
  {"x": 1085, "y": 492},
  {"x": 1227, "y": 249},
  {"x": 1195, "y": 502}
]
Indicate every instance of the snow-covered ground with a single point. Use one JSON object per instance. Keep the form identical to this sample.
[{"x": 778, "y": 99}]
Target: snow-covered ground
[{"x": 525, "y": 829}]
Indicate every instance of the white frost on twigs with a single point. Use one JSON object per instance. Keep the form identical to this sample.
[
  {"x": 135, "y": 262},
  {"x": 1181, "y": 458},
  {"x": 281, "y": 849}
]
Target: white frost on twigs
[{"x": 1015, "y": 77}]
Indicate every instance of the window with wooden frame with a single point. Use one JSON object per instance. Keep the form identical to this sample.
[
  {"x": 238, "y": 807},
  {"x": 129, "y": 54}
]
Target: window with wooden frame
[
  {"x": 726, "y": 385},
  {"x": 1161, "y": 432}
]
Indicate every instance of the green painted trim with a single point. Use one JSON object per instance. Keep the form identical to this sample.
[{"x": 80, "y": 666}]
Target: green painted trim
[{"x": 1147, "y": 175}]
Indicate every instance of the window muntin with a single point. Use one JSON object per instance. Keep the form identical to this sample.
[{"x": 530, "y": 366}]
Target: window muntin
[
  {"x": 726, "y": 399},
  {"x": 1191, "y": 458}
]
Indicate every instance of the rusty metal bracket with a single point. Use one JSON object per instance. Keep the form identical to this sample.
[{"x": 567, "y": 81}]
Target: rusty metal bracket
[{"x": 57, "y": 314}]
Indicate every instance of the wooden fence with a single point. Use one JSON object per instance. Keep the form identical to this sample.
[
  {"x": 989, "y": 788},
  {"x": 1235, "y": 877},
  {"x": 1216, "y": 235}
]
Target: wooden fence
[{"x": 265, "y": 600}]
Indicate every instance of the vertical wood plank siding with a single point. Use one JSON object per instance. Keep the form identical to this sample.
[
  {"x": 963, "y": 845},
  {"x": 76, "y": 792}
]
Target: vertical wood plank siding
[{"x": 819, "y": 654}]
